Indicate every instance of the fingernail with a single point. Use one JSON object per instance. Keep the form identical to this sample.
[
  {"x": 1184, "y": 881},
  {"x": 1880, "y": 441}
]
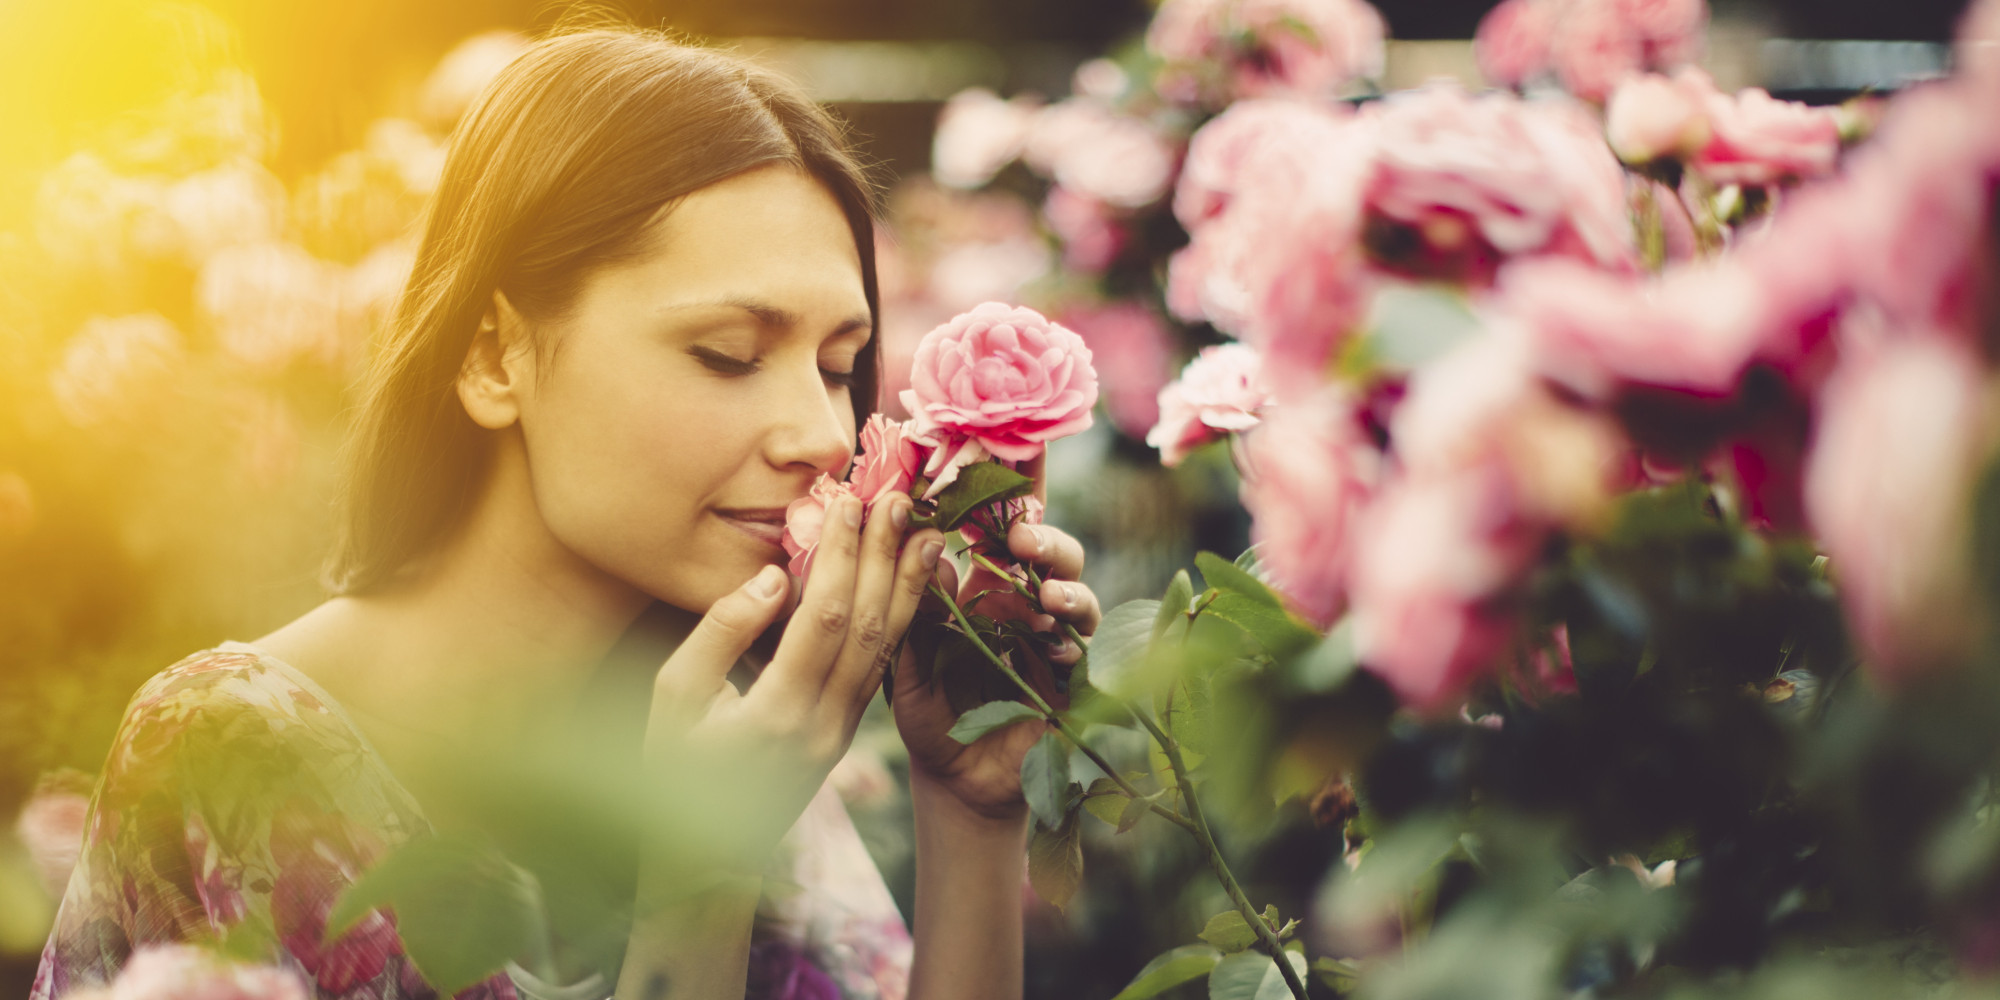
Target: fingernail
[
  {"x": 1041, "y": 538},
  {"x": 899, "y": 507},
  {"x": 931, "y": 551},
  {"x": 767, "y": 582},
  {"x": 1066, "y": 593},
  {"x": 850, "y": 511}
]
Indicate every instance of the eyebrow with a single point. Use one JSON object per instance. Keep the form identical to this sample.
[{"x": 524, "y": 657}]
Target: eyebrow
[{"x": 768, "y": 315}]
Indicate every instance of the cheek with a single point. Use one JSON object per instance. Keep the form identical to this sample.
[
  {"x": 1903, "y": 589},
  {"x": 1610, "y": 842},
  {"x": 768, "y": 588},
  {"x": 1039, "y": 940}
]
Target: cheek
[{"x": 624, "y": 464}]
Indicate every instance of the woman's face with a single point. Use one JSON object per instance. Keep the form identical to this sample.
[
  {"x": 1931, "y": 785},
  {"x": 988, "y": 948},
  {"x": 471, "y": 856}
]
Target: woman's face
[{"x": 696, "y": 391}]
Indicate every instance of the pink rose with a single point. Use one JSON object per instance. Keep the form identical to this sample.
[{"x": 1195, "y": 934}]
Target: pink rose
[
  {"x": 977, "y": 135},
  {"x": 1651, "y": 117},
  {"x": 1664, "y": 22},
  {"x": 1134, "y": 350},
  {"x": 1512, "y": 43},
  {"x": 1307, "y": 472},
  {"x": 1281, "y": 267},
  {"x": 805, "y": 521},
  {"x": 891, "y": 459},
  {"x": 1460, "y": 182},
  {"x": 1093, "y": 150},
  {"x": 185, "y": 972},
  {"x": 1305, "y": 48},
  {"x": 1595, "y": 47},
  {"x": 1220, "y": 392},
  {"x": 1757, "y": 139},
  {"x": 51, "y": 827},
  {"x": 1091, "y": 237},
  {"x": 1187, "y": 30},
  {"x": 1425, "y": 572},
  {"x": 1888, "y": 490},
  {"x": 1224, "y": 154},
  {"x": 1003, "y": 378}
]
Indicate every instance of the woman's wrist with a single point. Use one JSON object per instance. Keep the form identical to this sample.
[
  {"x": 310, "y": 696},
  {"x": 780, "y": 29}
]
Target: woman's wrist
[{"x": 931, "y": 798}]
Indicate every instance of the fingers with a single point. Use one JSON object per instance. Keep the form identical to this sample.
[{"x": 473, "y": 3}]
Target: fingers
[
  {"x": 1051, "y": 549},
  {"x": 1071, "y": 602},
  {"x": 874, "y": 630},
  {"x": 691, "y": 677},
  {"x": 921, "y": 557},
  {"x": 818, "y": 629}
]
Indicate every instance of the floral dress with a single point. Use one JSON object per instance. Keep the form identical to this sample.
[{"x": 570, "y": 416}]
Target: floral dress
[{"x": 238, "y": 795}]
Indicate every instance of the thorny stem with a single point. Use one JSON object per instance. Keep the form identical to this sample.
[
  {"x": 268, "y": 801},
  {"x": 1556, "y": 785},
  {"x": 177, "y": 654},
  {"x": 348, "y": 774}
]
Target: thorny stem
[
  {"x": 1049, "y": 714},
  {"x": 1195, "y": 823}
]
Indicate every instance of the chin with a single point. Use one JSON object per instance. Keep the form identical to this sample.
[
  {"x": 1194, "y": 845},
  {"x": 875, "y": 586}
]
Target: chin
[{"x": 696, "y": 581}]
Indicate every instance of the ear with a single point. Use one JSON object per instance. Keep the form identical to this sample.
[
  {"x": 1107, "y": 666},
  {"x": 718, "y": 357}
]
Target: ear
[{"x": 498, "y": 367}]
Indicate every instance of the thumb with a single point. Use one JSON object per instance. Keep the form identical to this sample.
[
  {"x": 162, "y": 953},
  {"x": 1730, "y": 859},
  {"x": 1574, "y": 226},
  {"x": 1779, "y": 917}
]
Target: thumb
[{"x": 687, "y": 682}]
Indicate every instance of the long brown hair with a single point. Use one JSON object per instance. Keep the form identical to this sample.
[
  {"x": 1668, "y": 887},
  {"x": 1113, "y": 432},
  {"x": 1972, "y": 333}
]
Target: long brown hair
[{"x": 559, "y": 168}]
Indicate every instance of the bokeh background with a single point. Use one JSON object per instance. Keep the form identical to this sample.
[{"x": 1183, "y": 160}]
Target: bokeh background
[{"x": 206, "y": 210}]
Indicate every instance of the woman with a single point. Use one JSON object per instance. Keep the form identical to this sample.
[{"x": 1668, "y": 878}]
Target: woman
[{"x": 639, "y": 325}]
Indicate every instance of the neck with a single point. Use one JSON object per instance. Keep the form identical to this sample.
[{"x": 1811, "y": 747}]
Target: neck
[{"x": 501, "y": 621}]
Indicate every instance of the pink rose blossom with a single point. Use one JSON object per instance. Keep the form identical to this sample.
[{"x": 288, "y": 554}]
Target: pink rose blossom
[
  {"x": 1473, "y": 179},
  {"x": 1223, "y": 155},
  {"x": 1220, "y": 392},
  {"x": 1306, "y": 48},
  {"x": 1595, "y": 48},
  {"x": 891, "y": 459},
  {"x": 977, "y": 134},
  {"x": 805, "y": 521},
  {"x": 1888, "y": 491},
  {"x": 1424, "y": 576},
  {"x": 1003, "y": 379},
  {"x": 1651, "y": 117},
  {"x": 1282, "y": 267},
  {"x": 1759, "y": 140},
  {"x": 185, "y": 972},
  {"x": 1133, "y": 350},
  {"x": 1303, "y": 48},
  {"x": 1512, "y": 43},
  {"x": 51, "y": 827},
  {"x": 1307, "y": 472},
  {"x": 1091, "y": 237},
  {"x": 1665, "y": 23},
  {"x": 1086, "y": 146}
]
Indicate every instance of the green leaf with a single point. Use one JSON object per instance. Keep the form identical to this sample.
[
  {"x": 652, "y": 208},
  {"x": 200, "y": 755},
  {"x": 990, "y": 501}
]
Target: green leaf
[
  {"x": 1045, "y": 778},
  {"x": 977, "y": 485},
  {"x": 1229, "y": 931},
  {"x": 1105, "y": 801},
  {"x": 1135, "y": 810},
  {"x": 1055, "y": 862},
  {"x": 1167, "y": 971},
  {"x": 1230, "y": 578},
  {"x": 463, "y": 910},
  {"x": 1252, "y": 975},
  {"x": 1118, "y": 650},
  {"x": 1327, "y": 665},
  {"x": 1174, "y": 604},
  {"x": 1278, "y": 632},
  {"x": 990, "y": 716},
  {"x": 1342, "y": 974}
]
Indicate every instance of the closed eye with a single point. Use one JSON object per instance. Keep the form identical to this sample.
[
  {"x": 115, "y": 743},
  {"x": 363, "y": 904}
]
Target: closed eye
[
  {"x": 724, "y": 364},
  {"x": 845, "y": 379}
]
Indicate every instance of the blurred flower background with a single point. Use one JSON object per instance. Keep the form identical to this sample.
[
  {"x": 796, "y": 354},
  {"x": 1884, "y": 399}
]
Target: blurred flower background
[{"x": 207, "y": 211}]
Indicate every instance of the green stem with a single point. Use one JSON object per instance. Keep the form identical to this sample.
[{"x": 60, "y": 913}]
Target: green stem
[
  {"x": 1266, "y": 934},
  {"x": 1057, "y": 720},
  {"x": 1034, "y": 601},
  {"x": 1195, "y": 823}
]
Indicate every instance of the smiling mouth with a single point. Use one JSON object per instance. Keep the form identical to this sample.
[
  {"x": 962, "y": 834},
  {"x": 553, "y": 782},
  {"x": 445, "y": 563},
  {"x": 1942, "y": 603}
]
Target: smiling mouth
[{"x": 766, "y": 525}]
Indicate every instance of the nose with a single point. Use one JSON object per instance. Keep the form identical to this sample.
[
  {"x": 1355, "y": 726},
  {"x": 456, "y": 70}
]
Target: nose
[{"x": 810, "y": 426}]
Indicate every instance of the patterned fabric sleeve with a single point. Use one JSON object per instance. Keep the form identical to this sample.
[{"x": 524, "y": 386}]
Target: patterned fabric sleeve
[{"x": 236, "y": 803}]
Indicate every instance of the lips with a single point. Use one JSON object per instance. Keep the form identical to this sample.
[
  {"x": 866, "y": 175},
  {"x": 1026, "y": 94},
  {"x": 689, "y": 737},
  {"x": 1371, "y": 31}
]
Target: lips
[{"x": 766, "y": 524}]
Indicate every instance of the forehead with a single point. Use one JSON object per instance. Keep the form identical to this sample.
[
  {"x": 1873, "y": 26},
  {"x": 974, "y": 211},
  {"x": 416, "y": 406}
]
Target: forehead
[{"x": 773, "y": 232}]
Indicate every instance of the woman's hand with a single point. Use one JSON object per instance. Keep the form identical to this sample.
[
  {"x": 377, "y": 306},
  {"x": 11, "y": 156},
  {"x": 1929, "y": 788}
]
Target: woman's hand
[
  {"x": 985, "y": 776},
  {"x": 743, "y": 766}
]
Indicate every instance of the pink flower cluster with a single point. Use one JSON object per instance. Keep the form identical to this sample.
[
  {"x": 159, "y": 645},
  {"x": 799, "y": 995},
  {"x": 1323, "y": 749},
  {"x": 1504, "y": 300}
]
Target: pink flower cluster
[
  {"x": 1823, "y": 366},
  {"x": 1750, "y": 138},
  {"x": 1264, "y": 48},
  {"x": 997, "y": 383},
  {"x": 1591, "y": 45}
]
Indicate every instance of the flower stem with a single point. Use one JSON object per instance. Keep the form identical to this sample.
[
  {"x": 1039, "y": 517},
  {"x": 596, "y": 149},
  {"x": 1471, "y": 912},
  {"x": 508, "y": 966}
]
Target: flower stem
[
  {"x": 1055, "y": 719},
  {"x": 1195, "y": 823}
]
